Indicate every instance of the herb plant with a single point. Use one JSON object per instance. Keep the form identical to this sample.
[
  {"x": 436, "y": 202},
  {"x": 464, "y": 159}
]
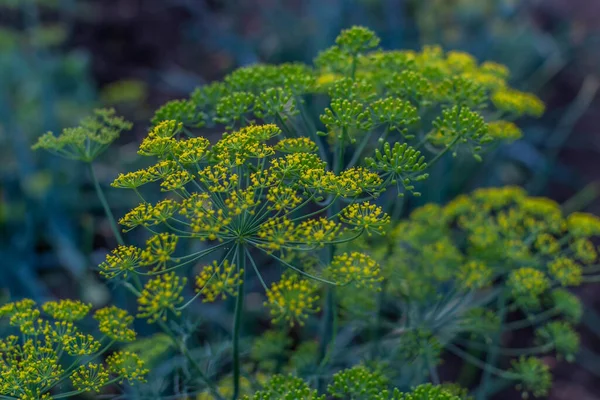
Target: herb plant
[{"x": 363, "y": 303}]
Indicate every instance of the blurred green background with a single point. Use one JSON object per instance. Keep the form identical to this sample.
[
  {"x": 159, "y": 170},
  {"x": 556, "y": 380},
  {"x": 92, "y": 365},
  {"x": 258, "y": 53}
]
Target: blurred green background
[{"x": 59, "y": 59}]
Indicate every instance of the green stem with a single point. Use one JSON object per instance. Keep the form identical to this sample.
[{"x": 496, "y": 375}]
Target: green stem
[
  {"x": 525, "y": 323},
  {"x": 441, "y": 153},
  {"x": 327, "y": 333},
  {"x": 237, "y": 326},
  {"x": 111, "y": 218},
  {"x": 492, "y": 355}
]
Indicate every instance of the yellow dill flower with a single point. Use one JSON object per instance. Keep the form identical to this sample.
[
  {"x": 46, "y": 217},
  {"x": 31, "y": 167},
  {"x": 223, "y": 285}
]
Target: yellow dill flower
[
  {"x": 356, "y": 268},
  {"x": 176, "y": 180},
  {"x": 504, "y": 130},
  {"x": 161, "y": 295},
  {"x": 88, "y": 140},
  {"x": 325, "y": 80},
  {"x": 283, "y": 198},
  {"x": 80, "y": 344},
  {"x": 160, "y": 147},
  {"x": 566, "y": 271},
  {"x": 459, "y": 61},
  {"x": 544, "y": 208},
  {"x": 584, "y": 250},
  {"x": 159, "y": 249},
  {"x": 293, "y": 166},
  {"x": 276, "y": 233},
  {"x": 518, "y": 103},
  {"x": 122, "y": 260},
  {"x": 219, "y": 280},
  {"x": 316, "y": 232},
  {"x": 263, "y": 179},
  {"x": 58, "y": 331},
  {"x": 296, "y": 145},
  {"x": 428, "y": 214},
  {"x": 494, "y": 68},
  {"x": 355, "y": 181},
  {"x": 191, "y": 151},
  {"x": 29, "y": 369},
  {"x": 460, "y": 205},
  {"x": 28, "y": 321},
  {"x": 141, "y": 215},
  {"x": 474, "y": 275},
  {"x": 89, "y": 377},
  {"x": 9, "y": 309},
  {"x": 241, "y": 201},
  {"x": 497, "y": 198},
  {"x": 292, "y": 299},
  {"x": 236, "y": 148},
  {"x": 67, "y": 310},
  {"x": 133, "y": 180},
  {"x": 527, "y": 285},
  {"x": 583, "y": 224},
  {"x": 127, "y": 366},
  {"x": 218, "y": 178},
  {"x": 115, "y": 323},
  {"x": 166, "y": 129},
  {"x": 163, "y": 169},
  {"x": 547, "y": 244},
  {"x": 365, "y": 216}
]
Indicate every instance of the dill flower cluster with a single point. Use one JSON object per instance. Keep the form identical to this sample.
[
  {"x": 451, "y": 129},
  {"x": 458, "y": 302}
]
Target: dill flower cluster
[
  {"x": 47, "y": 350},
  {"x": 240, "y": 194},
  {"x": 464, "y": 264},
  {"x": 359, "y": 382},
  {"x": 88, "y": 140},
  {"x": 376, "y": 98}
]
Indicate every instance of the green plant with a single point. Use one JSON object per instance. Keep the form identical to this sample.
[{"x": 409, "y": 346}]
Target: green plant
[{"x": 281, "y": 189}]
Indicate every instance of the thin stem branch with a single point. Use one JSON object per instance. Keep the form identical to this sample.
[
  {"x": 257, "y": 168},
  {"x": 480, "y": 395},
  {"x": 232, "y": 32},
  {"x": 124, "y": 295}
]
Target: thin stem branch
[
  {"x": 237, "y": 325},
  {"x": 111, "y": 218}
]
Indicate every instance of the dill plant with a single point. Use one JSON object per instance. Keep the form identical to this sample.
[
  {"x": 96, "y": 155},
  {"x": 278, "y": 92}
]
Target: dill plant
[{"x": 316, "y": 196}]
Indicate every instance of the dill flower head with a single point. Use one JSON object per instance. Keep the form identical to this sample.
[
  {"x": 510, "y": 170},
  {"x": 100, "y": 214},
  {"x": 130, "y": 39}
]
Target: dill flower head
[
  {"x": 159, "y": 249},
  {"x": 517, "y": 103},
  {"x": 67, "y": 310},
  {"x": 219, "y": 280},
  {"x": 357, "y": 382},
  {"x": 80, "y": 344},
  {"x": 31, "y": 365},
  {"x": 527, "y": 285},
  {"x": 121, "y": 261},
  {"x": 567, "y": 304},
  {"x": 127, "y": 366},
  {"x": 355, "y": 268},
  {"x": 475, "y": 275},
  {"x": 115, "y": 323},
  {"x": 292, "y": 299},
  {"x": 161, "y": 295},
  {"x": 365, "y": 216},
  {"x": 285, "y": 387},
  {"x": 427, "y": 391},
  {"x": 533, "y": 376},
  {"x": 296, "y": 145},
  {"x": 504, "y": 130},
  {"x": 583, "y": 225},
  {"x": 89, "y": 377},
  {"x": 29, "y": 369},
  {"x": 561, "y": 336},
  {"x": 88, "y": 140},
  {"x": 565, "y": 271}
]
